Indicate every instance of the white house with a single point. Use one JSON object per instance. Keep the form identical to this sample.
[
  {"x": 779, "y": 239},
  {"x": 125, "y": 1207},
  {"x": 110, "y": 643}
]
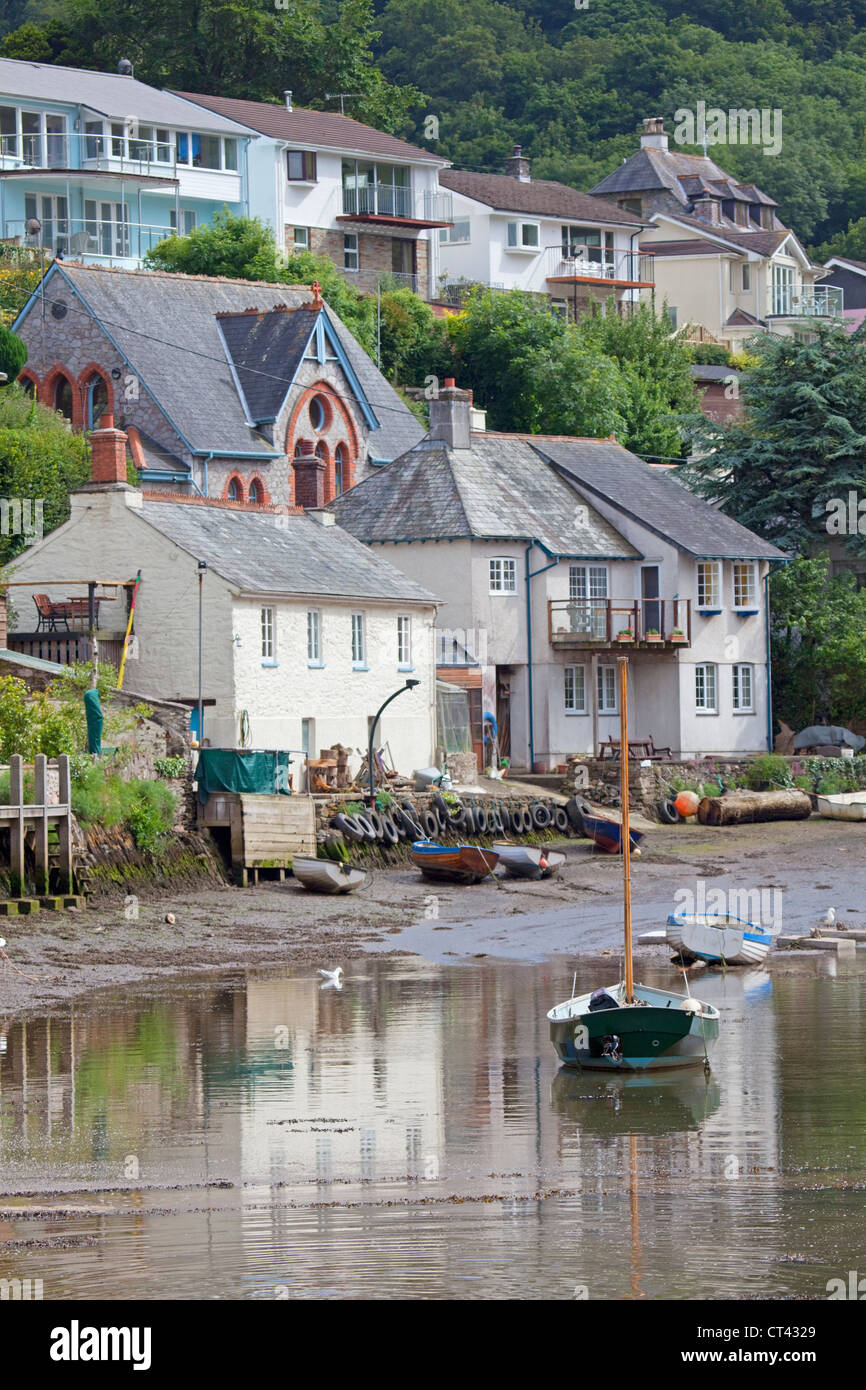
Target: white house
[
  {"x": 369, "y": 202},
  {"x": 510, "y": 231},
  {"x": 304, "y": 632},
  {"x": 544, "y": 550}
]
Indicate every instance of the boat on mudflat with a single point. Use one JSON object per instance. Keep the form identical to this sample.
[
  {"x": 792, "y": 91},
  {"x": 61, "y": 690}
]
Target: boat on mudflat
[
  {"x": 528, "y": 861},
  {"x": 607, "y": 834},
  {"x": 453, "y": 863},
  {"x": 843, "y": 806},
  {"x": 327, "y": 876},
  {"x": 718, "y": 938}
]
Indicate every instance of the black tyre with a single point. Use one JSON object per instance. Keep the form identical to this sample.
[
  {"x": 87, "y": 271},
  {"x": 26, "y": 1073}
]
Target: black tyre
[
  {"x": 430, "y": 821},
  {"x": 349, "y": 826},
  {"x": 667, "y": 812},
  {"x": 367, "y": 826},
  {"x": 377, "y": 822},
  {"x": 481, "y": 821},
  {"x": 505, "y": 818},
  {"x": 390, "y": 833},
  {"x": 438, "y": 802},
  {"x": 560, "y": 820},
  {"x": 442, "y": 820},
  {"x": 540, "y": 816}
]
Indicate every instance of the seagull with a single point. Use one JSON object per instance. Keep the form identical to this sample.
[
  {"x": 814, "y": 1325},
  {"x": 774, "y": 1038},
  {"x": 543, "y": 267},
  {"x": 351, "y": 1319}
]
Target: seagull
[
  {"x": 830, "y": 920},
  {"x": 332, "y": 978}
]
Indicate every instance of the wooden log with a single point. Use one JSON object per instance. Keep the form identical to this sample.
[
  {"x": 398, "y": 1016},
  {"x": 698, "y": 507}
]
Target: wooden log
[{"x": 742, "y": 808}]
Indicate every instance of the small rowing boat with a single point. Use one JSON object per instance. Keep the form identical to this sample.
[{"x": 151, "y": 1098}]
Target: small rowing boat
[
  {"x": 326, "y": 876},
  {"x": 607, "y": 834},
  {"x": 718, "y": 938},
  {"x": 844, "y": 806},
  {"x": 528, "y": 861},
  {"x": 453, "y": 863}
]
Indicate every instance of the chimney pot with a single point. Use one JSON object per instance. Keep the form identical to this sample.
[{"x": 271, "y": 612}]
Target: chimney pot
[
  {"x": 107, "y": 454},
  {"x": 288, "y": 99},
  {"x": 450, "y": 416},
  {"x": 517, "y": 166},
  {"x": 653, "y": 136}
]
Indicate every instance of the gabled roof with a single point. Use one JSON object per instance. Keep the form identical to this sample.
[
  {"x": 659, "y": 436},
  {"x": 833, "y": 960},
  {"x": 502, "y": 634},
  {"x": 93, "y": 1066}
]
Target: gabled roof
[
  {"x": 313, "y": 129},
  {"x": 846, "y": 263},
  {"x": 728, "y": 233},
  {"x": 654, "y": 499},
  {"x": 499, "y": 489},
  {"x": 653, "y": 168},
  {"x": 108, "y": 94},
  {"x": 267, "y": 553},
  {"x": 694, "y": 246},
  {"x": 540, "y": 197},
  {"x": 266, "y": 350},
  {"x": 167, "y": 329},
  {"x": 741, "y": 318}
]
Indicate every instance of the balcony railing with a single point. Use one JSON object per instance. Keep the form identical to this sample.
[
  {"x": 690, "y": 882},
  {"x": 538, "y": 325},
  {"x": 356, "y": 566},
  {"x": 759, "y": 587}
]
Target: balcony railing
[
  {"x": 390, "y": 200},
  {"x": 808, "y": 301},
  {"x": 595, "y": 263},
  {"x": 607, "y": 622},
  {"x": 99, "y": 240},
  {"x": 119, "y": 154}
]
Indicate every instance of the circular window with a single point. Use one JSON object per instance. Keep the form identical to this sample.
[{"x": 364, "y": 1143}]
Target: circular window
[
  {"x": 59, "y": 309},
  {"x": 320, "y": 413}
]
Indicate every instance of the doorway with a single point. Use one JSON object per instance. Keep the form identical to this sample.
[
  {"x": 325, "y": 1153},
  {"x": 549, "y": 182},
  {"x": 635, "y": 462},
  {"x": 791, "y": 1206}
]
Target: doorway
[{"x": 649, "y": 592}]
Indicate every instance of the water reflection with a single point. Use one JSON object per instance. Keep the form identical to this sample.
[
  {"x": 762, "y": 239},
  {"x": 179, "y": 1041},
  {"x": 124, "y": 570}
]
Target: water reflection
[{"x": 413, "y": 1135}]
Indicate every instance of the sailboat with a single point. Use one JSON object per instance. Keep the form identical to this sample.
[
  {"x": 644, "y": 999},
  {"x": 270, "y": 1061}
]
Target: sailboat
[{"x": 628, "y": 1026}]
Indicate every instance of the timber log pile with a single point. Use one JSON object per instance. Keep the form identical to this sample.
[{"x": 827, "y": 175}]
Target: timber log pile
[{"x": 742, "y": 807}]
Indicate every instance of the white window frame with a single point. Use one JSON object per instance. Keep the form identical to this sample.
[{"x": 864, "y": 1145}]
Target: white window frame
[
  {"x": 359, "y": 642},
  {"x": 189, "y": 135},
  {"x": 304, "y": 244},
  {"x": 588, "y": 596},
  {"x": 515, "y": 238},
  {"x": 450, "y": 235},
  {"x": 751, "y": 599},
  {"x": 52, "y": 211},
  {"x": 783, "y": 290},
  {"x": 404, "y": 642},
  {"x": 743, "y": 674},
  {"x": 713, "y": 570},
  {"x": 747, "y": 277},
  {"x": 706, "y": 688},
  {"x": 188, "y": 221},
  {"x": 314, "y": 637},
  {"x": 268, "y": 622},
  {"x": 350, "y": 251},
  {"x": 574, "y": 689},
  {"x": 606, "y": 690},
  {"x": 501, "y": 569}
]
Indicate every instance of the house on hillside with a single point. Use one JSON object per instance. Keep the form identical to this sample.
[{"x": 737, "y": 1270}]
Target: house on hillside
[
  {"x": 849, "y": 277},
  {"x": 511, "y": 231},
  {"x": 328, "y": 184},
  {"x": 101, "y": 167},
  {"x": 304, "y": 632},
  {"x": 226, "y": 388},
  {"x": 724, "y": 261},
  {"x": 552, "y": 556}
]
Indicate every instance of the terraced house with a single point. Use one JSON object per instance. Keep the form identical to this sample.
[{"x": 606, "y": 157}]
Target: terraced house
[{"x": 100, "y": 167}]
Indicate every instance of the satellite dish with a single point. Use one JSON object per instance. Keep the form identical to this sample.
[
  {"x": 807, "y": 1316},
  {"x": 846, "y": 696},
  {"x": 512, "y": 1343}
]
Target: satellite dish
[{"x": 124, "y": 67}]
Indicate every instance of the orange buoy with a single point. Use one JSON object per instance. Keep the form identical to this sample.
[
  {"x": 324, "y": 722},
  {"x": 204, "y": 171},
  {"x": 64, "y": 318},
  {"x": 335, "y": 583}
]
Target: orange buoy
[{"x": 687, "y": 803}]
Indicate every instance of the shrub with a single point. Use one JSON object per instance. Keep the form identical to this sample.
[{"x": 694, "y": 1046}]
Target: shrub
[
  {"x": 146, "y": 808},
  {"x": 170, "y": 767},
  {"x": 769, "y": 771}
]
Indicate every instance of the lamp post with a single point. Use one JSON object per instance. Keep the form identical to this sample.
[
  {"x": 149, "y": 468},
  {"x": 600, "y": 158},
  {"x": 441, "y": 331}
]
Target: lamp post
[
  {"x": 202, "y": 566},
  {"x": 410, "y": 685}
]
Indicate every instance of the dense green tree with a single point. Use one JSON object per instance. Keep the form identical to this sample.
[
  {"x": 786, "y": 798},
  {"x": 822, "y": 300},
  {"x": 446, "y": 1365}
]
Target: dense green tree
[
  {"x": 13, "y": 353},
  {"x": 801, "y": 443},
  {"x": 41, "y": 462},
  {"x": 819, "y": 656}
]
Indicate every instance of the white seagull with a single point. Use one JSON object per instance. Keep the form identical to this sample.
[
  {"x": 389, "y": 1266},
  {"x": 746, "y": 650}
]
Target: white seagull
[{"x": 332, "y": 978}]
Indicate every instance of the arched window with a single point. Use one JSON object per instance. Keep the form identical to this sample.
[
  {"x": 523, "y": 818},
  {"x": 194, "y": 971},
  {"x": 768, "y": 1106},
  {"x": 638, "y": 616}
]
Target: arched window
[
  {"x": 255, "y": 492},
  {"x": 235, "y": 490},
  {"x": 28, "y": 384},
  {"x": 63, "y": 397},
  {"x": 322, "y": 450},
  {"x": 339, "y": 469},
  {"x": 97, "y": 400}
]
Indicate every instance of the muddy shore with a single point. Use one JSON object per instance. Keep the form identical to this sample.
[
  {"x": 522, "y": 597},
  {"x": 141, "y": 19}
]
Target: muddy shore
[{"x": 814, "y": 864}]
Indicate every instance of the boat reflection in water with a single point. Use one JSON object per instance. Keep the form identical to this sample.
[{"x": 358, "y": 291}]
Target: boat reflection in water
[{"x": 642, "y": 1103}]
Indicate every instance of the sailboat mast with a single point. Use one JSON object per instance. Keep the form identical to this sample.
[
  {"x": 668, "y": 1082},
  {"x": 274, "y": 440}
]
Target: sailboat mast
[{"x": 624, "y": 829}]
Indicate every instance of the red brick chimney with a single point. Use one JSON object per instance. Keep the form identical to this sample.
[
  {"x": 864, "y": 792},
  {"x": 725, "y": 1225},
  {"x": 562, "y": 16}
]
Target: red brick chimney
[
  {"x": 309, "y": 476},
  {"x": 107, "y": 453}
]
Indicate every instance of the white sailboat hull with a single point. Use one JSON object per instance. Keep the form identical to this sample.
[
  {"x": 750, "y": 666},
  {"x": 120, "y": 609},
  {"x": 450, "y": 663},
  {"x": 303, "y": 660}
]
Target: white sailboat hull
[{"x": 723, "y": 940}]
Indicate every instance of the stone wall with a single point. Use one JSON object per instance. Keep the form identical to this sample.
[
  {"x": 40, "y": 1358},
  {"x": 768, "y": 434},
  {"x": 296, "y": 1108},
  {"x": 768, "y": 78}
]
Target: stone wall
[{"x": 599, "y": 779}]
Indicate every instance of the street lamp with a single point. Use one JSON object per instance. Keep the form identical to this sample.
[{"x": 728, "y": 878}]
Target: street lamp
[
  {"x": 410, "y": 685},
  {"x": 202, "y": 566}
]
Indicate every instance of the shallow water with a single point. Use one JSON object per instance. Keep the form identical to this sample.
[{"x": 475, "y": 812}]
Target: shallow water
[{"x": 413, "y": 1136}]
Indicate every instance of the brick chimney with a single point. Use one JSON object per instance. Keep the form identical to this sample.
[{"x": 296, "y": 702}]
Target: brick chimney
[
  {"x": 450, "y": 416},
  {"x": 653, "y": 136},
  {"x": 309, "y": 476},
  {"x": 107, "y": 453},
  {"x": 708, "y": 209},
  {"x": 517, "y": 167}
]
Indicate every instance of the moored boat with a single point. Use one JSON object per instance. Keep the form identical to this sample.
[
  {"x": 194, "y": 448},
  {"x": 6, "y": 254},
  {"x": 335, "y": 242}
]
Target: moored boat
[
  {"x": 528, "y": 861},
  {"x": 843, "y": 806},
  {"x": 718, "y": 938},
  {"x": 327, "y": 876},
  {"x": 453, "y": 863},
  {"x": 607, "y": 834}
]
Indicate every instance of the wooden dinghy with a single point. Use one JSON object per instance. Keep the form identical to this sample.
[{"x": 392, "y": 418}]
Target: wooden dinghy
[
  {"x": 326, "y": 876},
  {"x": 718, "y": 938},
  {"x": 453, "y": 863},
  {"x": 844, "y": 806},
  {"x": 528, "y": 861}
]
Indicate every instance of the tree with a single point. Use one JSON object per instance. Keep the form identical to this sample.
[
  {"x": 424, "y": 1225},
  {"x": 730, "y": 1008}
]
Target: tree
[
  {"x": 13, "y": 353},
  {"x": 801, "y": 444},
  {"x": 41, "y": 462},
  {"x": 819, "y": 657}
]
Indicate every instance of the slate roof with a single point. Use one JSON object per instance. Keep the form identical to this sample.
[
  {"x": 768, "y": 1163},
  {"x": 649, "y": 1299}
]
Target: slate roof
[
  {"x": 540, "y": 197},
  {"x": 266, "y": 351},
  {"x": 846, "y": 263},
  {"x": 166, "y": 326},
  {"x": 691, "y": 247},
  {"x": 683, "y": 175},
  {"x": 269, "y": 553},
  {"x": 711, "y": 371},
  {"x": 108, "y": 93},
  {"x": 316, "y": 129},
  {"x": 655, "y": 499},
  {"x": 499, "y": 489}
]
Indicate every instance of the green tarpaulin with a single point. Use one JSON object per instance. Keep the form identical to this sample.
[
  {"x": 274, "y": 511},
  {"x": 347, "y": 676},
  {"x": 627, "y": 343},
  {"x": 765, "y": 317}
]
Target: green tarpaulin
[
  {"x": 93, "y": 715},
  {"x": 241, "y": 770}
]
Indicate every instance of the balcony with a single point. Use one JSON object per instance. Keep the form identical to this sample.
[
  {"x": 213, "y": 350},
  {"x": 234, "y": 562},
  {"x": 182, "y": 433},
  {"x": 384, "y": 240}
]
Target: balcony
[
  {"x": 594, "y": 265},
  {"x": 595, "y": 623},
  {"x": 807, "y": 301},
  {"x": 389, "y": 204},
  {"x": 99, "y": 241}
]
